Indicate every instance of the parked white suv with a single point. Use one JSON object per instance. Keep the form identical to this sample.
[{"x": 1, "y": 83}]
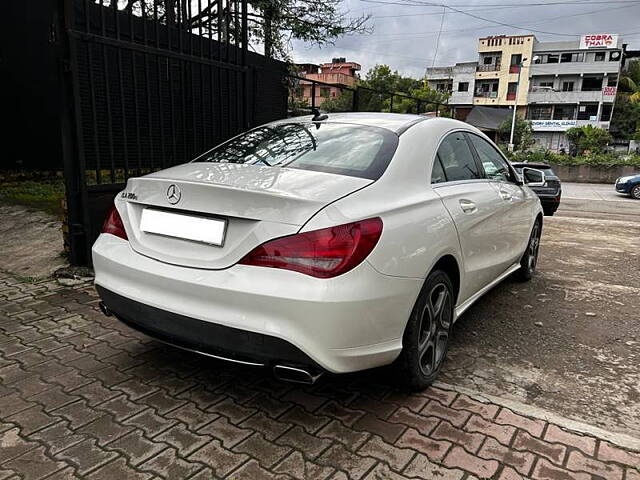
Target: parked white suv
[{"x": 309, "y": 245}]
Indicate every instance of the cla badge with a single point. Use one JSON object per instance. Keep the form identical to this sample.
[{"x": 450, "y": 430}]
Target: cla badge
[{"x": 173, "y": 194}]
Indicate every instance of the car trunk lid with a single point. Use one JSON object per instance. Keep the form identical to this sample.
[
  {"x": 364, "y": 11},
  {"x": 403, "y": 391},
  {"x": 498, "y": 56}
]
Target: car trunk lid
[{"x": 255, "y": 204}]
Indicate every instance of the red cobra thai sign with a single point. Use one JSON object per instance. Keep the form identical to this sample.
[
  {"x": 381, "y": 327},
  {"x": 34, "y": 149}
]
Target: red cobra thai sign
[{"x": 599, "y": 40}]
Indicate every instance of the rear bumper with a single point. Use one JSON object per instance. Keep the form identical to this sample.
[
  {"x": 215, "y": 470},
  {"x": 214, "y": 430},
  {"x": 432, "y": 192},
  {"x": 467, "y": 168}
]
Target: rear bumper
[
  {"x": 352, "y": 322},
  {"x": 227, "y": 343}
]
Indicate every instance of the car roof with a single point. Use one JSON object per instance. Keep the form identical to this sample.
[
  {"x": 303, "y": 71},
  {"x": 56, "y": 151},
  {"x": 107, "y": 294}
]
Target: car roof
[{"x": 396, "y": 122}]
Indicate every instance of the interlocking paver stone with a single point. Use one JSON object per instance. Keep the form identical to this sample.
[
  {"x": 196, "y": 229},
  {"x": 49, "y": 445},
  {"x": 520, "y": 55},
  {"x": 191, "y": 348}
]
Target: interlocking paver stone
[{"x": 83, "y": 396}]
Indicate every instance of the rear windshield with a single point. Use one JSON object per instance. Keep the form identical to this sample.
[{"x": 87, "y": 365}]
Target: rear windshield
[
  {"x": 354, "y": 150},
  {"x": 546, "y": 170}
]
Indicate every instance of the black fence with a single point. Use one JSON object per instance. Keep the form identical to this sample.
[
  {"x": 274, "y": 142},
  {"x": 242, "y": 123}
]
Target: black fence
[
  {"x": 305, "y": 94},
  {"x": 149, "y": 84},
  {"x": 109, "y": 89}
]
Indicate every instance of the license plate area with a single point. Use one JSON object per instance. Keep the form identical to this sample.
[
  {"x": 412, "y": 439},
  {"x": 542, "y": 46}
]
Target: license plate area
[{"x": 195, "y": 228}]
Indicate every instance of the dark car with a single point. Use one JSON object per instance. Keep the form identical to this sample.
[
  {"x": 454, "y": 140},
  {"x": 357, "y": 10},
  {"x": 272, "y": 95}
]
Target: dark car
[
  {"x": 629, "y": 184},
  {"x": 551, "y": 192}
]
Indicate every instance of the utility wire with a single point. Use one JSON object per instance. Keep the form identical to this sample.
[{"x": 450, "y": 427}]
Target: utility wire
[
  {"x": 518, "y": 27},
  {"x": 435, "y": 55},
  {"x": 416, "y": 3},
  {"x": 537, "y": 22}
]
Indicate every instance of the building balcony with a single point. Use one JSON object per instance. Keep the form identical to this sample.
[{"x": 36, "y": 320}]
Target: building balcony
[
  {"x": 574, "y": 68},
  {"x": 495, "y": 67},
  {"x": 514, "y": 68},
  {"x": 555, "y": 96},
  {"x": 485, "y": 94},
  {"x": 511, "y": 95},
  {"x": 333, "y": 78}
]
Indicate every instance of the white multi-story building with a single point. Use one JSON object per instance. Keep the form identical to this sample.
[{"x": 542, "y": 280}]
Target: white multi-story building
[
  {"x": 572, "y": 84},
  {"x": 562, "y": 84},
  {"x": 458, "y": 81}
]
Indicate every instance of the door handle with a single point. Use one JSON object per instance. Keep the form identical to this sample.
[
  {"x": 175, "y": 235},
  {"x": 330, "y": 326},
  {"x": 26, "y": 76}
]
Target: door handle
[
  {"x": 467, "y": 206},
  {"x": 505, "y": 195}
]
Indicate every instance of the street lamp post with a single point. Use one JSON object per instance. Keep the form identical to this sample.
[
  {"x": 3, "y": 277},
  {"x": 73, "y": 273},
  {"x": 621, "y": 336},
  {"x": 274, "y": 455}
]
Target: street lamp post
[{"x": 515, "y": 105}]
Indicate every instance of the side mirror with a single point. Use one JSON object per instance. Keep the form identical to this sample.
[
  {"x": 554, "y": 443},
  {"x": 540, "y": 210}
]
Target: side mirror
[{"x": 533, "y": 177}]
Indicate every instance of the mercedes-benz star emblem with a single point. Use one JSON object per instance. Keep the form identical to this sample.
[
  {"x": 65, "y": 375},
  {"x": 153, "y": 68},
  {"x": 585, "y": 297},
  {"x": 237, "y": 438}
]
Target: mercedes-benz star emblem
[{"x": 173, "y": 194}]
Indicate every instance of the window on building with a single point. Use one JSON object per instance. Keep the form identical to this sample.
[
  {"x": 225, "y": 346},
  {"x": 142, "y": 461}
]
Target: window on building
[
  {"x": 540, "y": 112},
  {"x": 511, "y": 88},
  {"x": 587, "y": 111},
  {"x": 516, "y": 59},
  {"x": 599, "y": 57},
  {"x": 553, "y": 58},
  {"x": 546, "y": 83},
  {"x": 564, "y": 112},
  {"x": 571, "y": 57},
  {"x": 487, "y": 60},
  {"x": 612, "y": 80},
  {"x": 463, "y": 86},
  {"x": 605, "y": 114},
  {"x": 567, "y": 86},
  {"x": 591, "y": 84}
]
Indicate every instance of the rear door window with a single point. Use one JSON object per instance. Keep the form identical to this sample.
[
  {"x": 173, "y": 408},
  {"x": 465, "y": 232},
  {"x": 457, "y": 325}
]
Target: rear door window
[
  {"x": 494, "y": 165},
  {"x": 437, "y": 172},
  {"x": 457, "y": 160},
  {"x": 344, "y": 149}
]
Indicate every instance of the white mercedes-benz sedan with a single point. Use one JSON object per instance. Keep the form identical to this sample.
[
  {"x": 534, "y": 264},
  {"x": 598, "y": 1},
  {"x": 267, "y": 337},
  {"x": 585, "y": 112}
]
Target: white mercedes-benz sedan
[{"x": 329, "y": 243}]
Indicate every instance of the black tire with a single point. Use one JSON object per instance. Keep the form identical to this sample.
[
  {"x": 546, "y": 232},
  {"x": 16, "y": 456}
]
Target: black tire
[
  {"x": 426, "y": 338},
  {"x": 529, "y": 260},
  {"x": 635, "y": 192}
]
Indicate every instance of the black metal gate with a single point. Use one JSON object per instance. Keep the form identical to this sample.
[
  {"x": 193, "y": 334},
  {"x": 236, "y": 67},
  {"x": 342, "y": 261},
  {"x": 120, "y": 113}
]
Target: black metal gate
[{"x": 149, "y": 84}]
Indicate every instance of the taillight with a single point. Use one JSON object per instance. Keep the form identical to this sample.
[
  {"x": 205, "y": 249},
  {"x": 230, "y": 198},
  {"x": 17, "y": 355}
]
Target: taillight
[
  {"x": 113, "y": 224},
  {"x": 322, "y": 253}
]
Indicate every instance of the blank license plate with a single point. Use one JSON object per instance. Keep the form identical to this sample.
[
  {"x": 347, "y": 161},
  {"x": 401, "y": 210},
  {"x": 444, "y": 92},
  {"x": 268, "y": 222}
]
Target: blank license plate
[{"x": 188, "y": 227}]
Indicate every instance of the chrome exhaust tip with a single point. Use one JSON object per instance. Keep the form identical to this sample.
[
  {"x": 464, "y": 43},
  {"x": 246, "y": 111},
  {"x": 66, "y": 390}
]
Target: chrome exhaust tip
[
  {"x": 104, "y": 309},
  {"x": 295, "y": 375}
]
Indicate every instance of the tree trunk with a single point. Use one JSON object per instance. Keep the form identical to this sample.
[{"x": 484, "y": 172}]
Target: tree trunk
[
  {"x": 268, "y": 32},
  {"x": 170, "y": 11}
]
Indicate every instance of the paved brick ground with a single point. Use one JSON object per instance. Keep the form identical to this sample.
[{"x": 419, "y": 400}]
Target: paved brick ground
[{"x": 82, "y": 396}]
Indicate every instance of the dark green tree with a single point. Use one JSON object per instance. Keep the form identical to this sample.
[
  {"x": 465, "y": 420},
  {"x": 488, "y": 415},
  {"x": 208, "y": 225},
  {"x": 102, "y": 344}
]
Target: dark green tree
[
  {"x": 341, "y": 103},
  {"x": 626, "y": 117},
  {"x": 271, "y": 22},
  {"x": 588, "y": 139},
  {"x": 630, "y": 81},
  {"x": 522, "y": 136}
]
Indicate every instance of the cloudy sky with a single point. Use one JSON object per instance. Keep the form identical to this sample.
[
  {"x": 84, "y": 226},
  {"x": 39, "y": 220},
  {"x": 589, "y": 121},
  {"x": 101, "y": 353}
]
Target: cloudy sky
[{"x": 405, "y": 32}]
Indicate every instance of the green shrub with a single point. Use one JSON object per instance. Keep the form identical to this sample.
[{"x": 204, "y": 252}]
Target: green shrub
[{"x": 605, "y": 160}]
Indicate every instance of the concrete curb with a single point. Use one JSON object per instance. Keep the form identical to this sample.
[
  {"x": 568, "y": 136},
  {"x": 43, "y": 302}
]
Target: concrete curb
[{"x": 620, "y": 439}]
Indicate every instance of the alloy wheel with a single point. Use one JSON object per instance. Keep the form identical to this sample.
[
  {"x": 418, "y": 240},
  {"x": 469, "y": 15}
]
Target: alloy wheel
[
  {"x": 433, "y": 333},
  {"x": 534, "y": 247},
  {"x": 635, "y": 192}
]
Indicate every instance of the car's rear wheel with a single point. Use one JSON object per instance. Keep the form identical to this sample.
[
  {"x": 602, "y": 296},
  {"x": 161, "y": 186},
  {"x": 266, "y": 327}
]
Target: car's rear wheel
[
  {"x": 635, "y": 192},
  {"x": 426, "y": 338},
  {"x": 529, "y": 260}
]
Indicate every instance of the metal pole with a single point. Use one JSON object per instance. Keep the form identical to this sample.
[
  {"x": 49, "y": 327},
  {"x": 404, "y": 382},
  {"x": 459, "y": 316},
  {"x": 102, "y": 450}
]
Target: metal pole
[{"x": 515, "y": 107}]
